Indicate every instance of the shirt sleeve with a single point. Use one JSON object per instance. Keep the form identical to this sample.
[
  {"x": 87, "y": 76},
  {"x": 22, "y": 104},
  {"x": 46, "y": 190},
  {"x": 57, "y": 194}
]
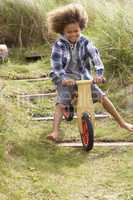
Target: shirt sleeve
[
  {"x": 57, "y": 73},
  {"x": 95, "y": 58}
]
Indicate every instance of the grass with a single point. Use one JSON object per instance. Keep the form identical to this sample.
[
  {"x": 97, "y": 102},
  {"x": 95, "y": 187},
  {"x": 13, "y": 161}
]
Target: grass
[
  {"x": 110, "y": 28},
  {"x": 22, "y": 29},
  {"x": 33, "y": 168},
  {"x": 15, "y": 87},
  {"x": 15, "y": 71},
  {"x": 25, "y": 21},
  {"x": 18, "y": 68}
]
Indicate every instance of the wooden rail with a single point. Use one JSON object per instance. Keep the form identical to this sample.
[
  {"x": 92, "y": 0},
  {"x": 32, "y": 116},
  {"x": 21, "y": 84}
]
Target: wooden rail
[{"x": 97, "y": 116}]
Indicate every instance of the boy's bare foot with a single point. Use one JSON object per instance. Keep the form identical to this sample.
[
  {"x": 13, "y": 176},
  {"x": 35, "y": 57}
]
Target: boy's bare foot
[
  {"x": 53, "y": 137},
  {"x": 127, "y": 126}
]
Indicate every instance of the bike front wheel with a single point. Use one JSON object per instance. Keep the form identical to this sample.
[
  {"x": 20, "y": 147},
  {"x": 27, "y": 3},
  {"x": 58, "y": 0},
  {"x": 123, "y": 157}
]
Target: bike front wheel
[{"x": 87, "y": 134}]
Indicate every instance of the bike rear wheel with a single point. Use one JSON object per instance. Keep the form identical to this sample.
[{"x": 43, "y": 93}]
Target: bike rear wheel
[{"x": 87, "y": 135}]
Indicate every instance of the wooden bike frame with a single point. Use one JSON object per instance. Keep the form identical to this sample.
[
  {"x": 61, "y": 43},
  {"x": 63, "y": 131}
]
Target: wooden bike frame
[{"x": 84, "y": 102}]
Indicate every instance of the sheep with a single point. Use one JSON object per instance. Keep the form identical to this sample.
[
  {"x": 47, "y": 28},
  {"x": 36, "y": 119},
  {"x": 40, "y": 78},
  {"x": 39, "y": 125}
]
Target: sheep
[{"x": 3, "y": 52}]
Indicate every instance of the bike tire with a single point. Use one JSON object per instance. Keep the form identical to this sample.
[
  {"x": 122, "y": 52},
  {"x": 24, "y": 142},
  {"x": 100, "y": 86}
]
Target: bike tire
[
  {"x": 87, "y": 135},
  {"x": 68, "y": 113}
]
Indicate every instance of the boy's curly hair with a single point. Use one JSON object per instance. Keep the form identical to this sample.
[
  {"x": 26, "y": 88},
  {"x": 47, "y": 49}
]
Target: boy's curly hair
[{"x": 60, "y": 17}]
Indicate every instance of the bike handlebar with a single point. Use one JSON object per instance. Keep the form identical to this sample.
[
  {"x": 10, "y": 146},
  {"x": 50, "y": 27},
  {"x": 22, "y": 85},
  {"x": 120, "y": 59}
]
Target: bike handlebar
[{"x": 70, "y": 82}]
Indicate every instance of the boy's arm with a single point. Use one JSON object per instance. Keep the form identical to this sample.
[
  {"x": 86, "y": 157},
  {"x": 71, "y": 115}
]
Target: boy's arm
[
  {"x": 95, "y": 58},
  {"x": 57, "y": 73}
]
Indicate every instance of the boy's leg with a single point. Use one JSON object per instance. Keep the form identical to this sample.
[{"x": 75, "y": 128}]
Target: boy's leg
[
  {"x": 56, "y": 122},
  {"x": 107, "y": 104},
  {"x": 63, "y": 98}
]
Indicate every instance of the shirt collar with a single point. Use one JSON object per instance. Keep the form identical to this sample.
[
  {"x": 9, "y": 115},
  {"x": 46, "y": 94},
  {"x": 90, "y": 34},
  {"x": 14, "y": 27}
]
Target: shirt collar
[
  {"x": 62, "y": 37},
  {"x": 80, "y": 40}
]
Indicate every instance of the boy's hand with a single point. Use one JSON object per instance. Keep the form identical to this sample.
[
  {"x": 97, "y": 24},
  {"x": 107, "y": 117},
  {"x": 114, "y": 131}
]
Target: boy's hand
[
  {"x": 68, "y": 82},
  {"x": 99, "y": 79}
]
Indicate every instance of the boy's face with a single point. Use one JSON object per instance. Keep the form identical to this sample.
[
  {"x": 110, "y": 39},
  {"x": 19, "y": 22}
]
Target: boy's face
[{"x": 72, "y": 32}]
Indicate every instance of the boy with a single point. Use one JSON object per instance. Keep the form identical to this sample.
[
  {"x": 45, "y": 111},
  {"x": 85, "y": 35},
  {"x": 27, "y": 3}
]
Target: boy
[{"x": 70, "y": 60}]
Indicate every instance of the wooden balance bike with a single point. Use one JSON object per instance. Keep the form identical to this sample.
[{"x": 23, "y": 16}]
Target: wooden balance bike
[{"x": 83, "y": 105}]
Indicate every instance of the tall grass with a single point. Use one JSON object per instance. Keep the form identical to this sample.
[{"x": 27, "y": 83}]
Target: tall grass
[
  {"x": 23, "y": 22},
  {"x": 112, "y": 30}
]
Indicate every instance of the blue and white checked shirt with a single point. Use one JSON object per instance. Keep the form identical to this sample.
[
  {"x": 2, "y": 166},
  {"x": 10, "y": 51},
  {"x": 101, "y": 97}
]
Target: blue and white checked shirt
[{"x": 61, "y": 57}]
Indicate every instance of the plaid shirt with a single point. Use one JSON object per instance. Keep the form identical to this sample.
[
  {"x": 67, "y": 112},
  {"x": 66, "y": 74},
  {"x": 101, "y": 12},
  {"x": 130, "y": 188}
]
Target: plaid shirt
[{"x": 60, "y": 59}]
